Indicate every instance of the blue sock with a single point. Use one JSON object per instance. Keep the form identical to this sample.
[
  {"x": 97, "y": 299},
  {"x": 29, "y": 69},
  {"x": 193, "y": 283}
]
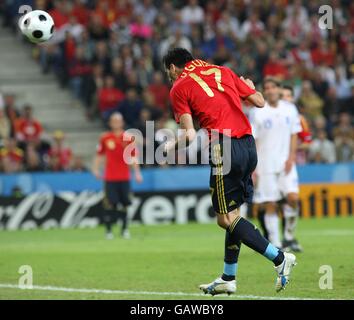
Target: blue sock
[
  {"x": 230, "y": 270},
  {"x": 274, "y": 254},
  {"x": 244, "y": 231}
]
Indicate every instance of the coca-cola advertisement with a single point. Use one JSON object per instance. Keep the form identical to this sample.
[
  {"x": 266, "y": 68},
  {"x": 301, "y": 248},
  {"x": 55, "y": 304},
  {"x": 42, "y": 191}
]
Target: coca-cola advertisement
[{"x": 84, "y": 209}]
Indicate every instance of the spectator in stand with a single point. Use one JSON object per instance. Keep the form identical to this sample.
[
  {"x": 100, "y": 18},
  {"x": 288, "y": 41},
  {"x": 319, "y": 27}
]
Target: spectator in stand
[
  {"x": 33, "y": 161},
  {"x": 149, "y": 103},
  {"x": 79, "y": 71},
  {"x": 73, "y": 27},
  {"x": 60, "y": 13},
  {"x": 60, "y": 156},
  {"x": 295, "y": 27},
  {"x": 344, "y": 123},
  {"x": 97, "y": 31},
  {"x": 312, "y": 103},
  {"x": 192, "y": 13},
  {"x": 322, "y": 54},
  {"x": 322, "y": 150},
  {"x": 102, "y": 57},
  {"x": 11, "y": 111},
  {"x": 78, "y": 165},
  {"x": 147, "y": 11},
  {"x": 5, "y": 126},
  {"x": 344, "y": 143},
  {"x": 28, "y": 129},
  {"x": 140, "y": 29},
  {"x": 229, "y": 24},
  {"x": 130, "y": 108},
  {"x": 218, "y": 40},
  {"x": 342, "y": 84},
  {"x": 159, "y": 90},
  {"x": 11, "y": 156},
  {"x": 109, "y": 98},
  {"x": 177, "y": 39},
  {"x": 275, "y": 67},
  {"x": 81, "y": 12},
  {"x": 120, "y": 80},
  {"x": 133, "y": 82},
  {"x": 94, "y": 82},
  {"x": 54, "y": 164},
  {"x": 252, "y": 27}
]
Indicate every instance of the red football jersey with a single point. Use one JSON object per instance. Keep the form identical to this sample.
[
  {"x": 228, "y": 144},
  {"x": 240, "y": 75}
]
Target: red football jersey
[
  {"x": 112, "y": 146},
  {"x": 211, "y": 94}
]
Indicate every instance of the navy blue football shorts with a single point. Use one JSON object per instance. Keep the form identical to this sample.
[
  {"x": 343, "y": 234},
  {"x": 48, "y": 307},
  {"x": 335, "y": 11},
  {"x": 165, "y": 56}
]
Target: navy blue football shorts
[
  {"x": 115, "y": 193},
  {"x": 232, "y": 162}
]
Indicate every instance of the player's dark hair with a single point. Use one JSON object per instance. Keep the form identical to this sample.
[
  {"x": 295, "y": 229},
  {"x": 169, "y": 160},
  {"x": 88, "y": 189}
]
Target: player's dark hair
[
  {"x": 271, "y": 80},
  {"x": 290, "y": 88},
  {"x": 177, "y": 56}
]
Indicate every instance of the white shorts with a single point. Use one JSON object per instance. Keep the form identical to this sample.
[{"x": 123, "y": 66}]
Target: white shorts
[{"x": 275, "y": 186}]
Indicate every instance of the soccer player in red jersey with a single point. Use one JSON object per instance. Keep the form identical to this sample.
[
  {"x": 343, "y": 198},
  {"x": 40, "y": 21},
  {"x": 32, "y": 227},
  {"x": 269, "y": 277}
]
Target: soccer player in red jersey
[
  {"x": 212, "y": 95},
  {"x": 117, "y": 174}
]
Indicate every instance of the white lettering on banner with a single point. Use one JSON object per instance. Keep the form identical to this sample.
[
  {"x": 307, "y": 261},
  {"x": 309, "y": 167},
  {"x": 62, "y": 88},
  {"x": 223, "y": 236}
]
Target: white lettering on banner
[
  {"x": 133, "y": 208},
  {"x": 157, "y": 209},
  {"x": 21, "y": 211},
  {"x": 202, "y": 210},
  {"x": 67, "y": 209},
  {"x": 79, "y": 207},
  {"x": 183, "y": 204},
  {"x": 42, "y": 205}
]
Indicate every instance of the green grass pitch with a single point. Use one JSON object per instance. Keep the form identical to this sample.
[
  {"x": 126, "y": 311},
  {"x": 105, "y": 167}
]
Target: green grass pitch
[{"x": 166, "y": 259}]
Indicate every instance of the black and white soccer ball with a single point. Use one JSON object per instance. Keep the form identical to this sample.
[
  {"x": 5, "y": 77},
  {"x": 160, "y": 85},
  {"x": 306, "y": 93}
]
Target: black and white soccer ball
[{"x": 37, "y": 26}]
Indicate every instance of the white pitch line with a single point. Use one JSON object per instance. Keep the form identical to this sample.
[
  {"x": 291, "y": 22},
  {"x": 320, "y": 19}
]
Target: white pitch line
[{"x": 128, "y": 292}]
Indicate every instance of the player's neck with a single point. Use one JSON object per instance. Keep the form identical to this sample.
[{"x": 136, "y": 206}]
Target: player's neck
[
  {"x": 117, "y": 132},
  {"x": 273, "y": 104}
]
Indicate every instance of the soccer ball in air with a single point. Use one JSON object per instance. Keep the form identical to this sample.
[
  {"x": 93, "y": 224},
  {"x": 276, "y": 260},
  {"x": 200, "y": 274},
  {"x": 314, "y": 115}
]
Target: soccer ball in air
[{"x": 37, "y": 26}]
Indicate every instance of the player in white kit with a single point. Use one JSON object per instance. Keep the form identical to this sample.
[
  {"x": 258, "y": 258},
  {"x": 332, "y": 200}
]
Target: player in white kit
[{"x": 275, "y": 129}]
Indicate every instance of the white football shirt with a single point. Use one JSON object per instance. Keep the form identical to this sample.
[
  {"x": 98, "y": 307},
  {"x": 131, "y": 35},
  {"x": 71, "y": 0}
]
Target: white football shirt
[{"x": 272, "y": 128}]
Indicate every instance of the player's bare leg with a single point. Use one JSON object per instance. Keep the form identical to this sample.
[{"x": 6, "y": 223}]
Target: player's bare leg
[{"x": 291, "y": 213}]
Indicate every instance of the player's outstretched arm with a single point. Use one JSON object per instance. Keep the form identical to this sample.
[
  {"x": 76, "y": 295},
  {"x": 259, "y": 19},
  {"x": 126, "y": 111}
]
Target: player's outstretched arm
[{"x": 255, "y": 99}]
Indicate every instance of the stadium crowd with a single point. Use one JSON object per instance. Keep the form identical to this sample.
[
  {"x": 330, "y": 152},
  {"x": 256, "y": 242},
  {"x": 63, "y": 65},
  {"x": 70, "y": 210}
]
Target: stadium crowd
[
  {"x": 24, "y": 145},
  {"x": 108, "y": 53}
]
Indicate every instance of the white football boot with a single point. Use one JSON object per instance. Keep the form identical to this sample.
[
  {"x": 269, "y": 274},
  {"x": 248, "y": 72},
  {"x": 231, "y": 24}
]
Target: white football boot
[
  {"x": 283, "y": 271},
  {"x": 109, "y": 236},
  {"x": 126, "y": 234},
  {"x": 219, "y": 286}
]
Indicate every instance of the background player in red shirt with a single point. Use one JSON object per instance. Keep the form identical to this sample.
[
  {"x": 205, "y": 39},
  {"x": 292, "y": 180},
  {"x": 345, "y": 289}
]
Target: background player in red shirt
[
  {"x": 116, "y": 174},
  {"x": 212, "y": 95}
]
